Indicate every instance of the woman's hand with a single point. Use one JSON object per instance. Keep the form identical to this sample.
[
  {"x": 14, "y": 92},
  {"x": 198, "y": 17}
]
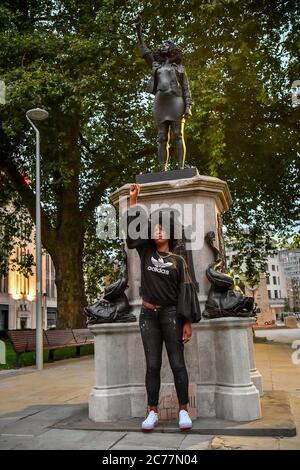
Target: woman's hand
[
  {"x": 134, "y": 190},
  {"x": 187, "y": 332},
  {"x": 133, "y": 193}
]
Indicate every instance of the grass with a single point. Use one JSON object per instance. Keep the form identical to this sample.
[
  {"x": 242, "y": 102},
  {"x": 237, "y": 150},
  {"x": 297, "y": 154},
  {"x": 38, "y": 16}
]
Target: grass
[{"x": 28, "y": 358}]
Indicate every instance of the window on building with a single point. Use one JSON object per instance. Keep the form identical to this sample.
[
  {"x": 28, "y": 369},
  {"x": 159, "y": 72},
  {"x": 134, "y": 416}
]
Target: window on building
[
  {"x": 17, "y": 283},
  {"x": 266, "y": 267},
  {"x": 51, "y": 317},
  {"x": 269, "y": 294},
  {"x": 53, "y": 289},
  {"x": 274, "y": 280},
  {"x": 53, "y": 286},
  {"x": 52, "y": 270},
  {"x": 276, "y": 294},
  {"x": 273, "y": 267},
  {"x": 48, "y": 287},
  {"x": 23, "y": 323},
  {"x": 278, "y": 280},
  {"x": 4, "y": 284},
  {"x": 277, "y": 267},
  {"x": 48, "y": 276},
  {"x": 26, "y": 285},
  {"x": 268, "y": 280},
  {"x": 280, "y": 294}
]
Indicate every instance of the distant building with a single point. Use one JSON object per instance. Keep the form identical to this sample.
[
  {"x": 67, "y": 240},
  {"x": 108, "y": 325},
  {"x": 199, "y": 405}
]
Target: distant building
[
  {"x": 17, "y": 296},
  {"x": 276, "y": 283},
  {"x": 271, "y": 293},
  {"x": 290, "y": 259}
]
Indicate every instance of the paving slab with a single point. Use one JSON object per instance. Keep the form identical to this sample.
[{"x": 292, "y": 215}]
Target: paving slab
[
  {"x": 150, "y": 441},
  {"x": 9, "y": 441},
  {"x": 243, "y": 443},
  {"x": 277, "y": 420},
  {"x": 35, "y": 423},
  {"x": 59, "y": 439},
  {"x": 201, "y": 441},
  {"x": 34, "y": 404}
]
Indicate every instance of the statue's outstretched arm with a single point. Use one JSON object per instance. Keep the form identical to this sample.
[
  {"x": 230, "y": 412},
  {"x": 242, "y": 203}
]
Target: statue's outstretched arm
[{"x": 144, "y": 50}]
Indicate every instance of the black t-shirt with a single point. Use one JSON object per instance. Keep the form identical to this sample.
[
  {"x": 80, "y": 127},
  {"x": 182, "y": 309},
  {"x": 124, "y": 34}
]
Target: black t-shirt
[
  {"x": 160, "y": 275},
  {"x": 165, "y": 280}
]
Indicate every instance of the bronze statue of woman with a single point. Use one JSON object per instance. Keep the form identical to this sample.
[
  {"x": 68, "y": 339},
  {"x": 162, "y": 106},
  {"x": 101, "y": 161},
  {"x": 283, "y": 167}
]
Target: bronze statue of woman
[{"x": 173, "y": 101}]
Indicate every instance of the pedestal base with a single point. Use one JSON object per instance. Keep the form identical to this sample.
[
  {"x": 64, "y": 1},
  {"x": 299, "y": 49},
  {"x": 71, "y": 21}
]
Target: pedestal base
[
  {"x": 217, "y": 359},
  {"x": 111, "y": 404},
  {"x": 198, "y": 199},
  {"x": 167, "y": 175},
  {"x": 257, "y": 380}
]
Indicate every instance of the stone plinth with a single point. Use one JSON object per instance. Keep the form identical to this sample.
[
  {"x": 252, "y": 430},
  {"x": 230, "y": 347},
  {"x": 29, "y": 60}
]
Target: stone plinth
[
  {"x": 254, "y": 373},
  {"x": 217, "y": 358},
  {"x": 201, "y": 199}
]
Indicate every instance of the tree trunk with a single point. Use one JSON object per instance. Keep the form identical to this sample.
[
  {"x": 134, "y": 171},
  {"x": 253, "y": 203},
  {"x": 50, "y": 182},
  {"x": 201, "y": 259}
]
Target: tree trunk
[{"x": 69, "y": 281}]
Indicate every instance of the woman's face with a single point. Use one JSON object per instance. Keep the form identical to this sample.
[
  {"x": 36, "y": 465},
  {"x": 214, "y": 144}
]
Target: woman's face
[{"x": 159, "y": 235}]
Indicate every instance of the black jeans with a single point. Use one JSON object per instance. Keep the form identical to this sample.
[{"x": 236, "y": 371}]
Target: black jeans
[{"x": 156, "y": 327}]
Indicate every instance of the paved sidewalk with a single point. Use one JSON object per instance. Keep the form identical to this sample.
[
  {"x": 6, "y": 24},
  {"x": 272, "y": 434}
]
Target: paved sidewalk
[
  {"x": 32, "y": 402},
  {"x": 284, "y": 335}
]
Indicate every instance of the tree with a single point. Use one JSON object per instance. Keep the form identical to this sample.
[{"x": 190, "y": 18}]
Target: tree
[
  {"x": 15, "y": 231},
  {"x": 287, "y": 307},
  {"x": 66, "y": 56},
  {"x": 78, "y": 59}
]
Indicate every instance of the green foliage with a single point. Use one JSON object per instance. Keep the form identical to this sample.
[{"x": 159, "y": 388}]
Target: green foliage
[
  {"x": 79, "y": 60},
  {"x": 100, "y": 258},
  {"x": 15, "y": 232},
  {"x": 252, "y": 247},
  {"x": 287, "y": 307},
  {"x": 28, "y": 358}
]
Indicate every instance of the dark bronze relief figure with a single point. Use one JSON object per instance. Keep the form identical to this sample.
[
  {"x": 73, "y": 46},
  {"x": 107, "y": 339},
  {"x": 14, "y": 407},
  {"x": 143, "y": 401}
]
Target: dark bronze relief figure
[
  {"x": 223, "y": 300},
  {"x": 172, "y": 103},
  {"x": 114, "y": 307}
]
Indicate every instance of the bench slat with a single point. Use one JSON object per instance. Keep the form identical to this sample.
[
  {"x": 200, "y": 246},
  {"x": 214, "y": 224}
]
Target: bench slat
[{"x": 25, "y": 340}]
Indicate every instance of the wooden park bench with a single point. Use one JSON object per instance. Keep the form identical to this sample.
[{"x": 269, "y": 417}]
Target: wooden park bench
[{"x": 25, "y": 341}]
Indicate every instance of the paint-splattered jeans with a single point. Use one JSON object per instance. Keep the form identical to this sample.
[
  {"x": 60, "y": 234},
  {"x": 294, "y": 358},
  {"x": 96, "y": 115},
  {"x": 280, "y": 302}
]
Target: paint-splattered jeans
[{"x": 156, "y": 328}]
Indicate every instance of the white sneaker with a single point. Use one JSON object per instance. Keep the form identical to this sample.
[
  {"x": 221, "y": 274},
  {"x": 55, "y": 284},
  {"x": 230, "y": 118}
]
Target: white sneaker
[
  {"x": 151, "y": 421},
  {"x": 185, "y": 421}
]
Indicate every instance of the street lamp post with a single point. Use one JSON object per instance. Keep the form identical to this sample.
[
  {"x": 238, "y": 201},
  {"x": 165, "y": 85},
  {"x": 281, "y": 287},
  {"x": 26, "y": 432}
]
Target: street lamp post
[{"x": 38, "y": 115}]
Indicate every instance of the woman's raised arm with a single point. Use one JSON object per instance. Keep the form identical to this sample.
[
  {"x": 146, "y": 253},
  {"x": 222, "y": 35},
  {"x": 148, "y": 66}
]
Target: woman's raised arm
[{"x": 135, "y": 221}]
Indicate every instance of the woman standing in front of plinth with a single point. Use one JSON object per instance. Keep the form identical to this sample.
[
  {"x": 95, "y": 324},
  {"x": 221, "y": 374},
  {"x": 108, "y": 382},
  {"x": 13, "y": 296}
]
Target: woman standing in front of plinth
[{"x": 170, "y": 305}]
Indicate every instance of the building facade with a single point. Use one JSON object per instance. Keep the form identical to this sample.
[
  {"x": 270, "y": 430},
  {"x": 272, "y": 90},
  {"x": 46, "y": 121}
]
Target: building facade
[
  {"x": 18, "y": 294},
  {"x": 270, "y": 295},
  {"x": 276, "y": 284},
  {"x": 290, "y": 259}
]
